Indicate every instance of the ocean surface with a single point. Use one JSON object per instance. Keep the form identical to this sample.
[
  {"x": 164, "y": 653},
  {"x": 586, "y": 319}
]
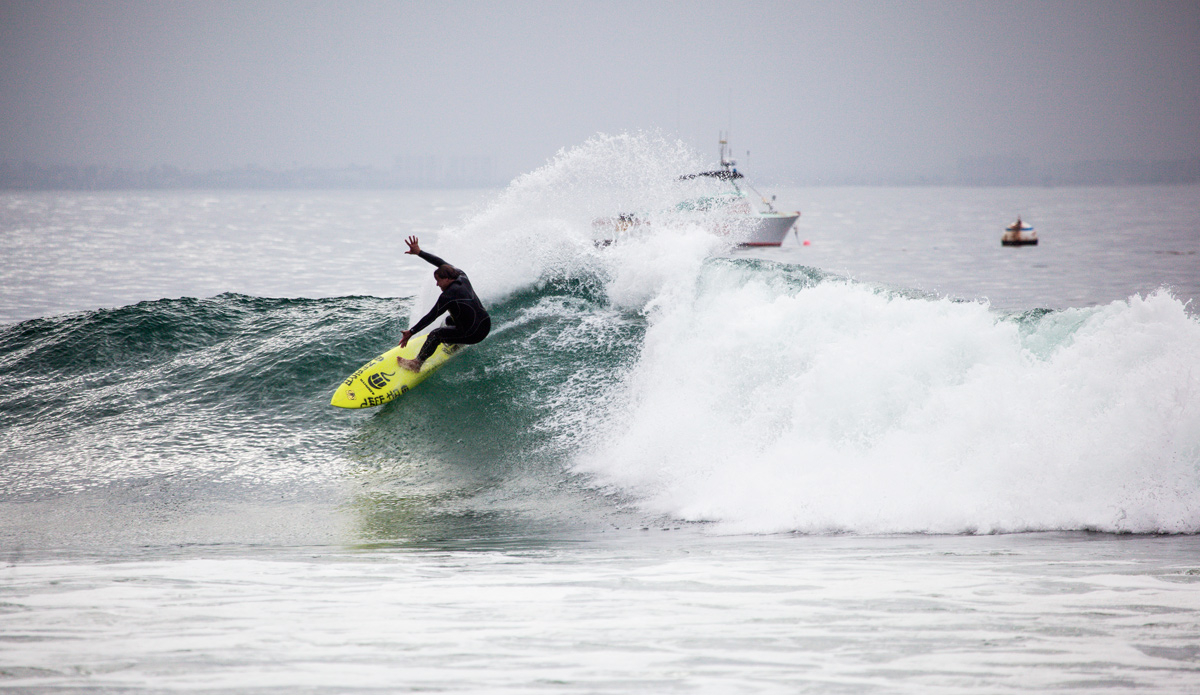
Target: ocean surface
[{"x": 890, "y": 456}]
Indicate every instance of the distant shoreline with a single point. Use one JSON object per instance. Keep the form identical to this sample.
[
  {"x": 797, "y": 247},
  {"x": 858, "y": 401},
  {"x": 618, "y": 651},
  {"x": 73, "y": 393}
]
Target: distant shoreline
[{"x": 980, "y": 173}]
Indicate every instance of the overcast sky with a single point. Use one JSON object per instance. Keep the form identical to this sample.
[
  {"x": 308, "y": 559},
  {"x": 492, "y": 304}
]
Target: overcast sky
[{"x": 809, "y": 88}]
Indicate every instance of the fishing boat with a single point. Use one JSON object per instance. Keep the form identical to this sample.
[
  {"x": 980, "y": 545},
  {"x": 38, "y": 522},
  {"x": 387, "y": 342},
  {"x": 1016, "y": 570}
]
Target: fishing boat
[
  {"x": 1019, "y": 234},
  {"x": 738, "y": 215},
  {"x": 770, "y": 227}
]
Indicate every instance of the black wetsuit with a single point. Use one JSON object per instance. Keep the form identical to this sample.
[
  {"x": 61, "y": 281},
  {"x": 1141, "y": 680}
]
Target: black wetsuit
[{"x": 468, "y": 323}]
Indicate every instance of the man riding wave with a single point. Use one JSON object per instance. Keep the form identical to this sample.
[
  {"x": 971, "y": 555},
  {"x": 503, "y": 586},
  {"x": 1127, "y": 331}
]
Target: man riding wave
[{"x": 468, "y": 322}]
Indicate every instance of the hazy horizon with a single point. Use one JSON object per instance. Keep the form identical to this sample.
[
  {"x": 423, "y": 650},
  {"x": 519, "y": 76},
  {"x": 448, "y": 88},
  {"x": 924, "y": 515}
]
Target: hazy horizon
[{"x": 809, "y": 89}]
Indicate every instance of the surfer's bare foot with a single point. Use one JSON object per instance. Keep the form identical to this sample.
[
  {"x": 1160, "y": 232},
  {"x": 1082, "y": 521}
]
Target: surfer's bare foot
[{"x": 410, "y": 365}]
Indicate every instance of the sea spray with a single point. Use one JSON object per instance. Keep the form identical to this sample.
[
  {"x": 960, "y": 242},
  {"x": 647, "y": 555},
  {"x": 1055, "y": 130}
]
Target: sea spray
[
  {"x": 770, "y": 397},
  {"x": 549, "y": 223},
  {"x": 770, "y": 402}
]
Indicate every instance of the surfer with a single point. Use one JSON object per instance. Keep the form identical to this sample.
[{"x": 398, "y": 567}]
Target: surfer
[{"x": 468, "y": 322}]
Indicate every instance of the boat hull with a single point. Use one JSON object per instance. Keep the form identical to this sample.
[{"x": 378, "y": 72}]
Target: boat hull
[
  {"x": 768, "y": 229},
  {"x": 771, "y": 230}
]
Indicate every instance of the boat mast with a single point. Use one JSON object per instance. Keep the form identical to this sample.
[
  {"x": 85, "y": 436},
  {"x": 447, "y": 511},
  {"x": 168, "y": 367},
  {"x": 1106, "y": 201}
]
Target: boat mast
[{"x": 726, "y": 163}]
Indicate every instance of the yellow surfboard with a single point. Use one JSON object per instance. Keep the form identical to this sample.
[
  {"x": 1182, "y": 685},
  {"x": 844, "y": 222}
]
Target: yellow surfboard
[{"x": 382, "y": 379}]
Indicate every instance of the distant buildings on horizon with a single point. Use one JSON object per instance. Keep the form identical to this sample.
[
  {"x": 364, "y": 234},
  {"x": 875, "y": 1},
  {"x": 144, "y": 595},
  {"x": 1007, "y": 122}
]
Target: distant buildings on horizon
[
  {"x": 431, "y": 171},
  {"x": 434, "y": 171}
]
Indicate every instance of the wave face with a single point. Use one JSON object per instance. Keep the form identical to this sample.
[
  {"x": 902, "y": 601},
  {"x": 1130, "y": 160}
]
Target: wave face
[
  {"x": 653, "y": 375},
  {"x": 175, "y": 392}
]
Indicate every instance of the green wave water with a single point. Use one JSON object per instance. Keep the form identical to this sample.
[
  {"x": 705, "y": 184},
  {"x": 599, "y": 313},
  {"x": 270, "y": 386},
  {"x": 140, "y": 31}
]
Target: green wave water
[{"x": 228, "y": 398}]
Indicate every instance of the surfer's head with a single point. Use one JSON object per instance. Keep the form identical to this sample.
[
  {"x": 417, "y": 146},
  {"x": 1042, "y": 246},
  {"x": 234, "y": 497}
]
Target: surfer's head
[{"x": 445, "y": 274}]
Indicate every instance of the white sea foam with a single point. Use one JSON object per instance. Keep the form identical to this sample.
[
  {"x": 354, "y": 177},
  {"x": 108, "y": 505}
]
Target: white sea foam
[
  {"x": 770, "y": 400},
  {"x": 770, "y": 406}
]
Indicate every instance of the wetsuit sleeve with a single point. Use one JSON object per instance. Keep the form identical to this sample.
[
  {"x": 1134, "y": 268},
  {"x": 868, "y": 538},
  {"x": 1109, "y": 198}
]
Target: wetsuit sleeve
[
  {"x": 438, "y": 308},
  {"x": 431, "y": 259}
]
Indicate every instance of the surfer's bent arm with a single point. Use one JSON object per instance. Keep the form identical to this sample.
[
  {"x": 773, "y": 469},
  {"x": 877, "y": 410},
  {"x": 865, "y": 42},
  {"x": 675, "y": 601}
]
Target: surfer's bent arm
[{"x": 438, "y": 309}]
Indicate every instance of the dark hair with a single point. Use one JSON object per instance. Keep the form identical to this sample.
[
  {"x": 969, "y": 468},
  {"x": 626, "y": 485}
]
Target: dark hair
[{"x": 447, "y": 272}]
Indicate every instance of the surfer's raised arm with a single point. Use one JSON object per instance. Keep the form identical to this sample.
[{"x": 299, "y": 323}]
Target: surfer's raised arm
[
  {"x": 468, "y": 322},
  {"x": 414, "y": 247}
]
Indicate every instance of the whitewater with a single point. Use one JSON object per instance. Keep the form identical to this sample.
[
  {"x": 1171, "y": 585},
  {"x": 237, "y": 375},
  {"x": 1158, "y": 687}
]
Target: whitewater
[
  {"x": 773, "y": 397},
  {"x": 898, "y": 458}
]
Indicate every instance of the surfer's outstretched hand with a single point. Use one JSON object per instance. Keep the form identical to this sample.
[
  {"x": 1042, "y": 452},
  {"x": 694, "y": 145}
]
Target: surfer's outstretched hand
[
  {"x": 404, "y": 338},
  {"x": 413, "y": 247}
]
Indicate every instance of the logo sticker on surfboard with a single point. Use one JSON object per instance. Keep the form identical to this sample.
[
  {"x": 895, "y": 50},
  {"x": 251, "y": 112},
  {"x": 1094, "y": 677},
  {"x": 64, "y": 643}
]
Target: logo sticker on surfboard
[{"x": 380, "y": 380}]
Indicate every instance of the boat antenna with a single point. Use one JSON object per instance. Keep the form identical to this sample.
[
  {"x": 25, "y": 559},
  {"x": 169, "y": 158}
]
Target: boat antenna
[
  {"x": 729, "y": 105},
  {"x": 678, "y": 129},
  {"x": 726, "y": 163}
]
